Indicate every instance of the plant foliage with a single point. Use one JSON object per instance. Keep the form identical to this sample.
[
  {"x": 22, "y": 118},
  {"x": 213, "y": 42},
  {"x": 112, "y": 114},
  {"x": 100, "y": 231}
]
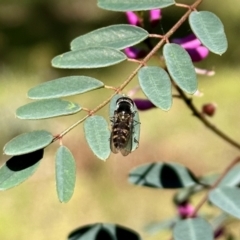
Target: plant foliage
[{"x": 174, "y": 69}]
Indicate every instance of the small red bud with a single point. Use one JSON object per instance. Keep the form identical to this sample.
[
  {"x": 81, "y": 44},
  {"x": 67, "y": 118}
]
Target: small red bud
[
  {"x": 209, "y": 109},
  {"x": 219, "y": 232}
]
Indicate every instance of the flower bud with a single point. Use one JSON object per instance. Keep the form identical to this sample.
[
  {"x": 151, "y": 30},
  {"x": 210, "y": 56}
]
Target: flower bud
[
  {"x": 219, "y": 232},
  {"x": 209, "y": 109},
  {"x": 155, "y": 16},
  {"x": 132, "y": 18},
  {"x": 135, "y": 53},
  {"x": 185, "y": 209}
]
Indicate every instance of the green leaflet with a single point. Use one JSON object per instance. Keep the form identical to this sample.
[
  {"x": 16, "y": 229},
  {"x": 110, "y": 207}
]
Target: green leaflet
[{"x": 65, "y": 174}]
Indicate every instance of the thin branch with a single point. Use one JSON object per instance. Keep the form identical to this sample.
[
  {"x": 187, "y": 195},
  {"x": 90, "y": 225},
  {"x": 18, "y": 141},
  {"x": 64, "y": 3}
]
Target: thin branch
[
  {"x": 155, "y": 36},
  {"x": 134, "y": 60},
  {"x": 205, "y": 198},
  {"x": 84, "y": 118},
  {"x": 204, "y": 120},
  {"x": 133, "y": 74}
]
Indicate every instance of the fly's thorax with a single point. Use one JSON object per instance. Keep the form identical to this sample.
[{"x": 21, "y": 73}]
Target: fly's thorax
[
  {"x": 124, "y": 117},
  {"x": 124, "y": 104}
]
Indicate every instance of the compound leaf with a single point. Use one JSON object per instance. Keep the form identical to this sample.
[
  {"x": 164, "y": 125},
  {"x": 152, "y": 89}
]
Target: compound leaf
[
  {"x": 227, "y": 199},
  {"x": 97, "y": 135},
  {"x": 162, "y": 175},
  {"x": 19, "y": 168},
  {"x": 65, "y": 174},
  {"x": 28, "y": 142},
  {"x": 93, "y": 57},
  {"x": 180, "y": 67},
  {"x": 193, "y": 229},
  {"x": 47, "y": 108},
  {"x": 156, "y": 85},
  {"x": 209, "y": 30},
  {"x": 63, "y": 87},
  {"x": 115, "y": 36},
  {"x": 133, "y": 5}
]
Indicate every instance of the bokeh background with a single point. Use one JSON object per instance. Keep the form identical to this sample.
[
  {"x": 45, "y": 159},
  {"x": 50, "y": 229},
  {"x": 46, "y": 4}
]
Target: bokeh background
[{"x": 32, "y": 32}]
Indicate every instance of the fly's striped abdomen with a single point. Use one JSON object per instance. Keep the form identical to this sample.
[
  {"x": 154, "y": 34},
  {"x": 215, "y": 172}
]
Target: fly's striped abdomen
[{"x": 121, "y": 132}]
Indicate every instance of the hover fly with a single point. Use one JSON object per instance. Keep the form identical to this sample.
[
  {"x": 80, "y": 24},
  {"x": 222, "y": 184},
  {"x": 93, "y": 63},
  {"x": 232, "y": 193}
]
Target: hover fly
[{"x": 122, "y": 126}]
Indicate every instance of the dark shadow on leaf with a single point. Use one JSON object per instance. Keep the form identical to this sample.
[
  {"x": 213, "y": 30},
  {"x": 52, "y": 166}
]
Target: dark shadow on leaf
[
  {"x": 140, "y": 177},
  {"x": 169, "y": 178},
  {"x": 147, "y": 184},
  {"x": 193, "y": 177},
  {"x": 19, "y": 163},
  {"x": 121, "y": 232},
  {"x": 103, "y": 234},
  {"x": 124, "y": 233}
]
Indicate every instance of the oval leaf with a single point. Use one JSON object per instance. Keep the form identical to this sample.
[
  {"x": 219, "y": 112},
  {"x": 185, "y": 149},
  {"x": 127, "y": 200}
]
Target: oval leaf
[
  {"x": 210, "y": 31},
  {"x": 133, "y": 5},
  {"x": 180, "y": 67},
  {"x": 103, "y": 231},
  {"x": 97, "y": 135},
  {"x": 63, "y": 87},
  {"x": 157, "y": 227},
  {"x": 28, "y": 142},
  {"x": 156, "y": 85},
  {"x": 95, "y": 57},
  {"x": 65, "y": 174},
  {"x": 227, "y": 199},
  {"x": 115, "y": 36},
  {"x": 137, "y": 124},
  {"x": 232, "y": 178},
  {"x": 47, "y": 109},
  {"x": 19, "y": 168},
  {"x": 193, "y": 229},
  {"x": 162, "y": 175}
]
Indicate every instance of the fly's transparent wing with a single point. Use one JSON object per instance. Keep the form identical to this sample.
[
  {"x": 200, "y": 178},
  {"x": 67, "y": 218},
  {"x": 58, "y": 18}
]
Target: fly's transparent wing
[
  {"x": 112, "y": 146},
  {"x": 128, "y": 146},
  {"x": 114, "y": 125}
]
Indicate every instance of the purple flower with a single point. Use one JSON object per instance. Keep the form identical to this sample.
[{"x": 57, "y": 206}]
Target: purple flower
[
  {"x": 132, "y": 18},
  {"x": 193, "y": 46},
  {"x": 155, "y": 16},
  {"x": 185, "y": 209},
  {"x": 135, "y": 53},
  {"x": 143, "y": 104}
]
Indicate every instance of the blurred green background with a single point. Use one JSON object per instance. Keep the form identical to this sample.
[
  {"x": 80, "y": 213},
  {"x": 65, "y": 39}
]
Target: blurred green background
[{"x": 32, "y": 32}]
